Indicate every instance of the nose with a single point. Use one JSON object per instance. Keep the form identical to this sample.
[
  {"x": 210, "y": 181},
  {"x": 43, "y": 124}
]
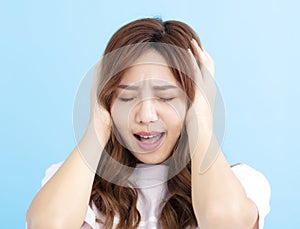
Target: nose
[{"x": 146, "y": 112}]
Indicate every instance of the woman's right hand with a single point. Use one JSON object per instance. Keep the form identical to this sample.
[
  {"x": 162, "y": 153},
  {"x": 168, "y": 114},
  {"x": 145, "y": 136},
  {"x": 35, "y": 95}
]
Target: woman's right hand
[
  {"x": 99, "y": 127},
  {"x": 100, "y": 118}
]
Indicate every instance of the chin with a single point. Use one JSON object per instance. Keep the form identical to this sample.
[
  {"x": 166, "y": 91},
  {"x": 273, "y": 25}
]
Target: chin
[{"x": 149, "y": 158}]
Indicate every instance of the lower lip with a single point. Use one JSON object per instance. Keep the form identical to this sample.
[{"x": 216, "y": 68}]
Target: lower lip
[{"x": 151, "y": 147}]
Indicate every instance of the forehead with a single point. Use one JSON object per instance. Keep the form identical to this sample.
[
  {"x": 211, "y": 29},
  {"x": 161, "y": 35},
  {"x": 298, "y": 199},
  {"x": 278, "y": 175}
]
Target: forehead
[{"x": 150, "y": 66}]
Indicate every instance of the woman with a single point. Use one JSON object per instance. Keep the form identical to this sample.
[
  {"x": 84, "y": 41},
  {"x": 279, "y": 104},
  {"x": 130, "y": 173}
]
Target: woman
[{"x": 161, "y": 166}]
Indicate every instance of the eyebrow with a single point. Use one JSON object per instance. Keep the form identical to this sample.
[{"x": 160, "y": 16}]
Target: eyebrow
[
  {"x": 128, "y": 87},
  {"x": 165, "y": 87},
  {"x": 158, "y": 88}
]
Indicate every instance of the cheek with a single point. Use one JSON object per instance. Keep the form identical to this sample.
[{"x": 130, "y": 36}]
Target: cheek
[
  {"x": 175, "y": 112},
  {"x": 121, "y": 114},
  {"x": 173, "y": 116}
]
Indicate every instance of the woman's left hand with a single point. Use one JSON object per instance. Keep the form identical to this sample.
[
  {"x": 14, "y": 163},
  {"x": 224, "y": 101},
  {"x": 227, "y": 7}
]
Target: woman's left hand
[{"x": 200, "y": 114}]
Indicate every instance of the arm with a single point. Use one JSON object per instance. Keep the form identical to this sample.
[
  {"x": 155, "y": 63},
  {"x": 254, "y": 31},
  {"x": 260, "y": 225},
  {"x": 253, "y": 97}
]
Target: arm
[
  {"x": 219, "y": 200},
  {"x": 63, "y": 200}
]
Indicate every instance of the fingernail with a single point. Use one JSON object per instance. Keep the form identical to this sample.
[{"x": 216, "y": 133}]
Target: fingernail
[{"x": 195, "y": 42}]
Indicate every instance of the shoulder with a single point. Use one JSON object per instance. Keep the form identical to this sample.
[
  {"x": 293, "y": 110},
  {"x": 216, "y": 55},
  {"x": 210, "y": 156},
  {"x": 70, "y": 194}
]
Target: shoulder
[
  {"x": 253, "y": 181},
  {"x": 50, "y": 171},
  {"x": 249, "y": 176},
  {"x": 257, "y": 188}
]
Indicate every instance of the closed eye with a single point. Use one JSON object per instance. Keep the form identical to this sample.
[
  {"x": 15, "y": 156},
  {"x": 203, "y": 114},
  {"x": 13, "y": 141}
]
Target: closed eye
[
  {"x": 126, "y": 99},
  {"x": 166, "y": 99},
  {"x": 160, "y": 98}
]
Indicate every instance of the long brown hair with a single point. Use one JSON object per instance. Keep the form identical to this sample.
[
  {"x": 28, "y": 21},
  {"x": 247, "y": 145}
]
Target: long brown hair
[{"x": 110, "y": 198}]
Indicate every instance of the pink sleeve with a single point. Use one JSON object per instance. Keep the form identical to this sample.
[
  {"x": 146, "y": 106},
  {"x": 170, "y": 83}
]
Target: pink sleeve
[{"x": 257, "y": 189}]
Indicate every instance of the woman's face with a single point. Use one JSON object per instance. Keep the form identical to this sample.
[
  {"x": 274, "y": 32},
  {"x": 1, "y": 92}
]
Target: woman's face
[{"x": 149, "y": 108}]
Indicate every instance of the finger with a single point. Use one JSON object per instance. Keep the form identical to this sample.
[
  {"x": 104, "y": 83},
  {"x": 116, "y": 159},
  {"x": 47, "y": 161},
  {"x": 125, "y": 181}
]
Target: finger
[
  {"x": 201, "y": 90},
  {"x": 206, "y": 54},
  {"x": 198, "y": 75},
  {"x": 199, "y": 53},
  {"x": 96, "y": 82},
  {"x": 207, "y": 70},
  {"x": 206, "y": 62}
]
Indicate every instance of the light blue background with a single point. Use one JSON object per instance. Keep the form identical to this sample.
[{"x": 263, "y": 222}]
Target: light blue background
[{"x": 47, "y": 47}]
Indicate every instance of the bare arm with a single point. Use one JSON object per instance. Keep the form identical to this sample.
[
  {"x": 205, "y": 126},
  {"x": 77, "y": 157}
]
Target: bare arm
[
  {"x": 219, "y": 199},
  {"x": 63, "y": 200}
]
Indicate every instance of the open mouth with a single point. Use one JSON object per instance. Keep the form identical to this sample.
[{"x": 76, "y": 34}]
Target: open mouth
[{"x": 149, "y": 141}]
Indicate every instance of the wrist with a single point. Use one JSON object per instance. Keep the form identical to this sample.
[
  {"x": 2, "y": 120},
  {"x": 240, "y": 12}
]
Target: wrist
[{"x": 91, "y": 147}]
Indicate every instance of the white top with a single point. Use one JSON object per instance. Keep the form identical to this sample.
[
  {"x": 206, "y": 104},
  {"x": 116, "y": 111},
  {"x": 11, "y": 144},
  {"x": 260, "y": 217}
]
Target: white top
[{"x": 255, "y": 184}]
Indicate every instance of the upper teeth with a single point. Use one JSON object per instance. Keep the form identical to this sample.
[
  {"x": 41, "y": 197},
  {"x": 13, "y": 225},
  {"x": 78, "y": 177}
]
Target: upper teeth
[{"x": 150, "y": 136}]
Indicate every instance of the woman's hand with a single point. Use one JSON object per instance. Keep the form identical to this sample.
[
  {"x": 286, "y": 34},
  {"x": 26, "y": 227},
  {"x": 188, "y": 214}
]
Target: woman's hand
[
  {"x": 100, "y": 118},
  {"x": 201, "y": 111},
  {"x": 203, "y": 143},
  {"x": 99, "y": 127}
]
